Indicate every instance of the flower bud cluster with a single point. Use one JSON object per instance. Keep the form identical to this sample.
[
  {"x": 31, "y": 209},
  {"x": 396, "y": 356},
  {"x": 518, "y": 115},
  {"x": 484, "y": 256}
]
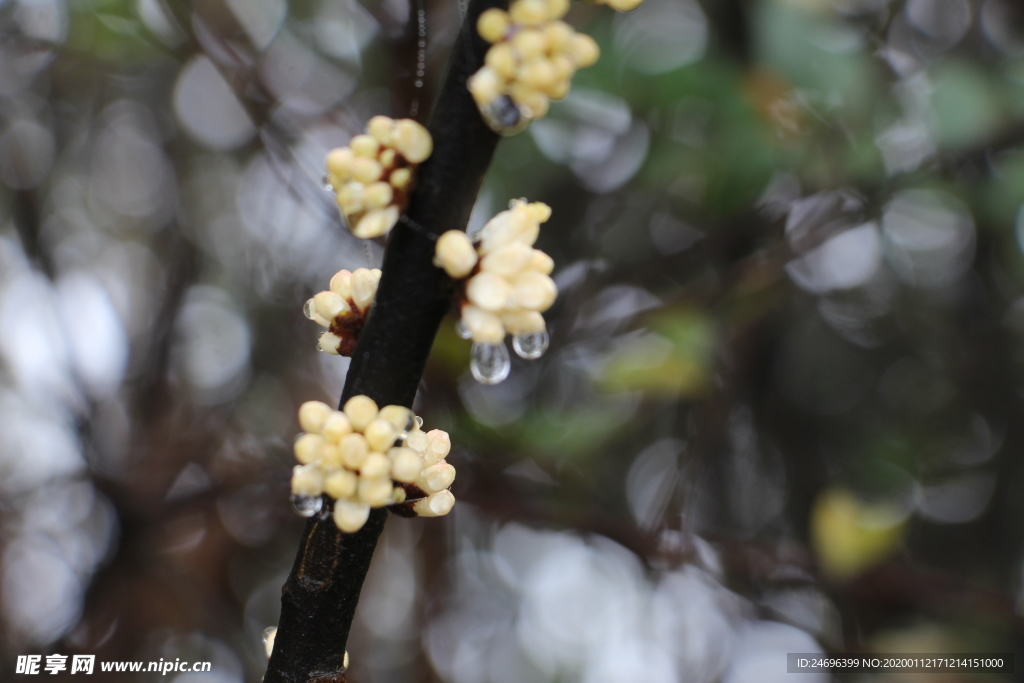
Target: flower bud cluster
[
  {"x": 343, "y": 309},
  {"x": 364, "y": 458},
  {"x": 506, "y": 282},
  {"x": 532, "y": 61},
  {"x": 373, "y": 176}
]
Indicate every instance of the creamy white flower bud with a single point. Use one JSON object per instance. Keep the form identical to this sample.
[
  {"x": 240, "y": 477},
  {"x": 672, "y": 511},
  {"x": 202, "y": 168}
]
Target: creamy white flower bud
[
  {"x": 354, "y": 450},
  {"x": 400, "y": 178},
  {"x": 350, "y": 516},
  {"x": 437, "y": 477},
  {"x": 488, "y": 291},
  {"x": 377, "y": 195},
  {"x": 307, "y": 448},
  {"x": 584, "y": 50},
  {"x": 528, "y": 12},
  {"x": 439, "y": 444},
  {"x": 398, "y": 416},
  {"x": 508, "y": 260},
  {"x": 341, "y": 484},
  {"x": 514, "y": 225},
  {"x": 375, "y": 492},
  {"x": 417, "y": 440},
  {"x": 455, "y": 253},
  {"x": 485, "y": 85},
  {"x": 381, "y": 128},
  {"x": 406, "y": 464},
  {"x": 623, "y": 5},
  {"x": 330, "y": 305},
  {"x": 530, "y": 43},
  {"x": 336, "y": 426},
  {"x": 557, "y": 9},
  {"x": 361, "y": 410},
  {"x": 376, "y": 223},
  {"x": 307, "y": 480},
  {"x": 492, "y": 25},
  {"x": 366, "y": 170},
  {"x": 436, "y": 505},
  {"x": 341, "y": 284},
  {"x": 535, "y": 291},
  {"x": 523, "y": 322},
  {"x": 484, "y": 327},
  {"x": 380, "y": 435},
  {"x": 312, "y": 415},
  {"x": 328, "y": 343},
  {"x": 503, "y": 59},
  {"x": 364, "y": 288},
  {"x": 540, "y": 262},
  {"x": 375, "y": 466},
  {"x": 364, "y": 146},
  {"x": 339, "y": 162},
  {"x": 330, "y": 457},
  {"x": 412, "y": 140},
  {"x": 350, "y": 198}
]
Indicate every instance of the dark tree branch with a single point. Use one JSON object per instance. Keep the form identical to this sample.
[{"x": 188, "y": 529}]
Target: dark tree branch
[{"x": 319, "y": 599}]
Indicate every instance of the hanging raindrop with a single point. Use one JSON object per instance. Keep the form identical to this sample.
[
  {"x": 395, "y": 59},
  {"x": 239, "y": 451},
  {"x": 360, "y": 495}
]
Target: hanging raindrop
[
  {"x": 309, "y": 309},
  {"x": 489, "y": 363},
  {"x": 530, "y": 346},
  {"x": 307, "y": 506},
  {"x": 503, "y": 116},
  {"x": 418, "y": 421},
  {"x": 462, "y": 330},
  {"x": 326, "y": 183},
  {"x": 269, "y": 634}
]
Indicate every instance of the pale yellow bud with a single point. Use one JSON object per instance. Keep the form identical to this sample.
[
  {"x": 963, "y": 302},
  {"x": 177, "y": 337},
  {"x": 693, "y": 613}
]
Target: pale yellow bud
[
  {"x": 312, "y": 415},
  {"x": 507, "y": 260},
  {"x": 376, "y": 223},
  {"x": 380, "y": 435},
  {"x": 400, "y": 178},
  {"x": 412, "y": 140},
  {"x": 336, "y": 426},
  {"x": 540, "y": 262},
  {"x": 488, "y": 291},
  {"x": 534, "y": 291},
  {"x": 584, "y": 50},
  {"x": 398, "y": 416},
  {"x": 523, "y": 322},
  {"x": 350, "y": 516},
  {"x": 437, "y": 505},
  {"x": 341, "y": 284},
  {"x": 341, "y": 484},
  {"x": 330, "y": 305},
  {"x": 438, "y": 446},
  {"x": 529, "y": 12},
  {"x": 364, "y": 288},
  {"x": 361, "y": 410},
  {"x": 307, "y": 448},
  {"x": 350, "y": 198},
  {"x": 560, "y": 88},
  {"x": 492, "y": 25},
  {"x": 375, "y": 492},
  {"x": 485, "y": 85},
  {"x": 405, "y": 464},
  {"x": 365, "y": 146},
  {"x": 436, "y": 478},
  {"x": 354, "y": 450},
  {"x": 339, "y": 162},
  {"x": 381, "y": 127},
  {"x": 455, "y": 253},
  {"x": 532, "y": 101},
  {"x": 502, "y": 58},
  {"x": 563, "y": 66},
  {"x": 366, "y": 170},
  {"x": 514, "y": 225},
  {"x": 539, "y": 211},
  {"x": 557, "y": 8},
  {"x": 484, "y": 327},
  {"x": 530, "y": 43},
  {"x": 539, "y": 74},
  {"x": 330, "y": 457},
  {"x": 375, "y": 466},
  {"x": 328, "y": 343},
  {"x": 623, "y": 5},
  {"x": 307, "y": 480},
  {"x": 417, "y": 440},
  {"x": 377, "y": 195}
]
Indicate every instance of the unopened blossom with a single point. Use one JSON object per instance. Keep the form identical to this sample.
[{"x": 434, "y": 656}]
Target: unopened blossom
[
  {"x": 365, "y": 457},
  {"x": 343, "y": 309}
]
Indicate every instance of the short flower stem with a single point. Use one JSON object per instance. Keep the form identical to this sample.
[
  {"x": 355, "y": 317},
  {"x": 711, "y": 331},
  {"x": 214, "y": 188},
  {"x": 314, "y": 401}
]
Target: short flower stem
[{"x": 319, "y": 598}]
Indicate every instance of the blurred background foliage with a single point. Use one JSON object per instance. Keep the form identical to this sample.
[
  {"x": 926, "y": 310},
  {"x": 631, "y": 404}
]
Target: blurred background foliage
[{"x": 777, "y": 414}]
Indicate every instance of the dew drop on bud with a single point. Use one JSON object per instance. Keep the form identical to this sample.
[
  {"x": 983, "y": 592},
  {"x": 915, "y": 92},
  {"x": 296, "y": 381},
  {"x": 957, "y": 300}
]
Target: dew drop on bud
[
  {"x": 326, "y": 182},
  {"x": 503, "y": 116},
  {"x": 307, "y": 506},
  {"x": 309, "y": 308},
  {"x": 530, "y": 346},
  {"x": 269, "y": 634},
  {"x": 462, "y": 330},
  {"x": 489, "y": 363},
  {"x": 418, "y": 421}
]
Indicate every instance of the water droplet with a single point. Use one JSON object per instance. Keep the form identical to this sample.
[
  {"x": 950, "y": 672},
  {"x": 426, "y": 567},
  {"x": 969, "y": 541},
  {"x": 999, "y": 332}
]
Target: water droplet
[
  {"x": 309, "y": 309},
  {"x": 530, "y": 346},
  {"x": 489, "y": 363},
  {"x": 418, "y": 421},
  {"x": 326, "y": 182},
  {"x": 269, "y": 634},
  {"x": 419, "y": 83},
  {"x": 462, "y": 330},
  {"x": 307, "y": 506},
  {"x": 503, "y": 116}
]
